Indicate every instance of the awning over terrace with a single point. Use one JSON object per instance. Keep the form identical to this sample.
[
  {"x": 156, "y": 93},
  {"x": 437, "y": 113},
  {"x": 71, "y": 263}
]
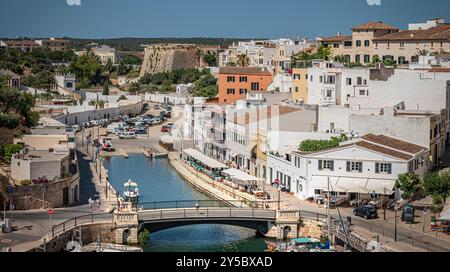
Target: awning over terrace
[
  {"x": 239, "y": 175},
  {"x": 353, "y": 185},
  {"x": 205, "y": 160}
]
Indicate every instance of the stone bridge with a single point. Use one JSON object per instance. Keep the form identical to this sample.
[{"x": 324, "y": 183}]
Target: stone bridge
[
  {"x": 270, "y": 223},
  {"x": 156, "y": 216}
]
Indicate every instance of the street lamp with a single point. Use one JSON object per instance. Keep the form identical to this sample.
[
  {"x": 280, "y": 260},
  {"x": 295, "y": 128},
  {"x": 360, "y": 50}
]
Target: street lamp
[
  {"x": 395, "y": 223},
  {"x": 384, "y": 205},
  {"x": 279, "y": 198}
]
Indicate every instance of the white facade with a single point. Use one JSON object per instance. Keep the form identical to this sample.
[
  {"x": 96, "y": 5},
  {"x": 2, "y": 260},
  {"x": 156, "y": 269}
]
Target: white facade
[
  {"x": 420, "y": 90},
  {"x": 282, "y": 83},
  {"x": 174, "y": 98},
  {"x": 65, "y": 83},
  {"x": 350, "y": 170},
  {"x": 423, "y": 26},
  {"x": 329, "y": 84}
]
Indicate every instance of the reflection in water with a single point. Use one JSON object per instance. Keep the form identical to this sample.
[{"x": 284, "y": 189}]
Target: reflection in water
[{"x": 158, "y": 181}]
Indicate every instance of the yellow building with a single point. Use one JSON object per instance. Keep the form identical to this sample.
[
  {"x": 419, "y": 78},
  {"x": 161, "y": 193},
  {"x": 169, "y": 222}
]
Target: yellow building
[{"x": 300, "y": 82}]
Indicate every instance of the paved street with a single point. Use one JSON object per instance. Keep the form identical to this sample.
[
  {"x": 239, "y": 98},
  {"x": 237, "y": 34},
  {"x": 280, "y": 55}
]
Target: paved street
[{"x": 410, "y": 237}]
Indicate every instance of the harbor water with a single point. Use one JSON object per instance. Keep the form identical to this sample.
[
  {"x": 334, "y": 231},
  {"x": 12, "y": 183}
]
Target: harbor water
[{"x": 158, "y": 181}]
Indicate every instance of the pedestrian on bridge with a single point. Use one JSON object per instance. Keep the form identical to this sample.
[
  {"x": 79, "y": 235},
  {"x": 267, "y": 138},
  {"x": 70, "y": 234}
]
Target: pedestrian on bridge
[{"x": 197, "y": 205}]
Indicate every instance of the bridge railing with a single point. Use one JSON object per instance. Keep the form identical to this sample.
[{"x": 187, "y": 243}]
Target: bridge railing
[
  {"x": 80, "y": 220},
  {"x": 181, "y": 213},
  {"x": 178, "y": 204}
]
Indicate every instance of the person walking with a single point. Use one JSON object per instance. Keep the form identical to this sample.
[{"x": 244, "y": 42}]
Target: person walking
[
  {"x": 90, "y": 203},
  {"x": 197, "y": 206}
]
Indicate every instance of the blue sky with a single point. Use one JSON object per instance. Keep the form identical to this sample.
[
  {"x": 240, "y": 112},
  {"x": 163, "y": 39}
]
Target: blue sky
[{"x": 206, "y": 18}]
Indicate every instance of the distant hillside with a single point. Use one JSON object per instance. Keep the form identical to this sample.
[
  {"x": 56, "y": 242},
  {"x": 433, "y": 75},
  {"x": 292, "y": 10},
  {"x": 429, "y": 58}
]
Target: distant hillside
[{"x": 134, "y": 44}]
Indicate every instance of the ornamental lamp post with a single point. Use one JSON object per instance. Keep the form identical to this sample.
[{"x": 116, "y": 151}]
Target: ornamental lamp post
[
  {"x": 395, "y": 222},
  {"x": 384, "y": 205}
]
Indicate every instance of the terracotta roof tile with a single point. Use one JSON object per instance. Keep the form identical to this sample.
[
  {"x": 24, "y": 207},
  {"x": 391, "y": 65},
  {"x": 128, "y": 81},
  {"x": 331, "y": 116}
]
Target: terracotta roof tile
[
  {"x": 439, "y": 33},
  {"x": 384, "y": 150},
  {"x": 375, "y": 25},
  {"x": 244, "y": 71},
  {"x": 262, "y": 114},
  {"x": 339, "y": 38},
  {"x": 393, "y": 143}
]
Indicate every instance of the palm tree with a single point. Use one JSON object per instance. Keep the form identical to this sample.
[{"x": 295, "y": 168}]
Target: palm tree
[
  {"x": 243, "y": 60},
  {"x": 423, "y": 52}
]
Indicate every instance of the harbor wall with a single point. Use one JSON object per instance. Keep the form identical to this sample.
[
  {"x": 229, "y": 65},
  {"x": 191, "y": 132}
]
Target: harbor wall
[
  {"x": 205, "y": 185},
  {"x": 90, "y": 233}
]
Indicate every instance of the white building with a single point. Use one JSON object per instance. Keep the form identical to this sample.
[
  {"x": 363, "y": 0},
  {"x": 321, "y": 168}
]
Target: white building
[
  {"x": 105, "y": 53},
  {"x": 65, "y": 84},
  {"x": 242, "y": 128},
  {"x": 356, "y": 168},
  {"x": 330, "y": 84},
  {"x": 281, "y": 83},
  {"x": 424, "y": 26},
  {"x": 49, "y": 126}
]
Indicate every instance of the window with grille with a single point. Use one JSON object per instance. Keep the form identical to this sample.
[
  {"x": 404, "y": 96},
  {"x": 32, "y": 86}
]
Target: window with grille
[{"x": 383, "y": 168}]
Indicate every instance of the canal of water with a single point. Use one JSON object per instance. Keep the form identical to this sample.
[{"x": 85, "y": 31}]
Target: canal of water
[{"x": 158, "y": 181}]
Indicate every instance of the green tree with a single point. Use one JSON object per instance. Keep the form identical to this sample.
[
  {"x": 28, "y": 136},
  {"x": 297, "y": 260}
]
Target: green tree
[
  {"x": 16, "y": 102},
  {"x": 317, "y": 145},
  {"x": 324, "y": 52},
  {"x": 438, "y": 187},
  {"x": 134, "y": 88},
  {"x": 9, "y": 150},
  {"x": 87, "y": 69},
  {"x": 167, "y": 87},
  {"x": 210, "y": 58},
  {"x": 376, "y": 59},
  {"x": 130, "y": 60},
  {"x": 409, "y": 184},
  {"x": 205, "y": 87},
  {"x": 109, "y": 66},
  {"x": 106, "y": 88},
  {"x": 143, "y": 237}
]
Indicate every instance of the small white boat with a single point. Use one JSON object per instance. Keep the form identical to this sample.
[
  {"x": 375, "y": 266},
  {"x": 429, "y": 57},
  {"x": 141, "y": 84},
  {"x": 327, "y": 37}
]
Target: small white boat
[{"x": 131, "y": 192}]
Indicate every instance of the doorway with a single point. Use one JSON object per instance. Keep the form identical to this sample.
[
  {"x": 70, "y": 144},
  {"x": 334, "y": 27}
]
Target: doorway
[{"x": 66, "y": 196}]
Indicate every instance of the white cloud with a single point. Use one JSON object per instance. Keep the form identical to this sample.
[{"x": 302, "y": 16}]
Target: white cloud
[
  {"x": 73, "y": 2},
  {"x": 374, "y": 2}
]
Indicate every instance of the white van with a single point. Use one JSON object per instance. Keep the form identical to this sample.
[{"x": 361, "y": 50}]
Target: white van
[{"x": 127, "y": 135}]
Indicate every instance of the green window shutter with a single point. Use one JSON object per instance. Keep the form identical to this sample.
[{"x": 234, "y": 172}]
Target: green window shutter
[
  {"x": 360, "y": 167},
  {"x": 320, "y": 165},
  {"x": 348, "y": 166},
  {"x": 389, "y": 168},
  {"x": 332, "y": 165},
  {"x": 377, "y": 168}
]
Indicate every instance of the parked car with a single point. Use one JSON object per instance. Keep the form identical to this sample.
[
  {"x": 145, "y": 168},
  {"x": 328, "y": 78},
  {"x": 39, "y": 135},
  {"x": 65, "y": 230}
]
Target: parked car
[
  {"x": 127, "y": 135},
  {"x": 157, "y": 107},
  {"x": 140, "y": 131},
  {"x": 106, "y": 145},
  {"x": 165, "y": 129},
  {"x": 366, "y": 212}
]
